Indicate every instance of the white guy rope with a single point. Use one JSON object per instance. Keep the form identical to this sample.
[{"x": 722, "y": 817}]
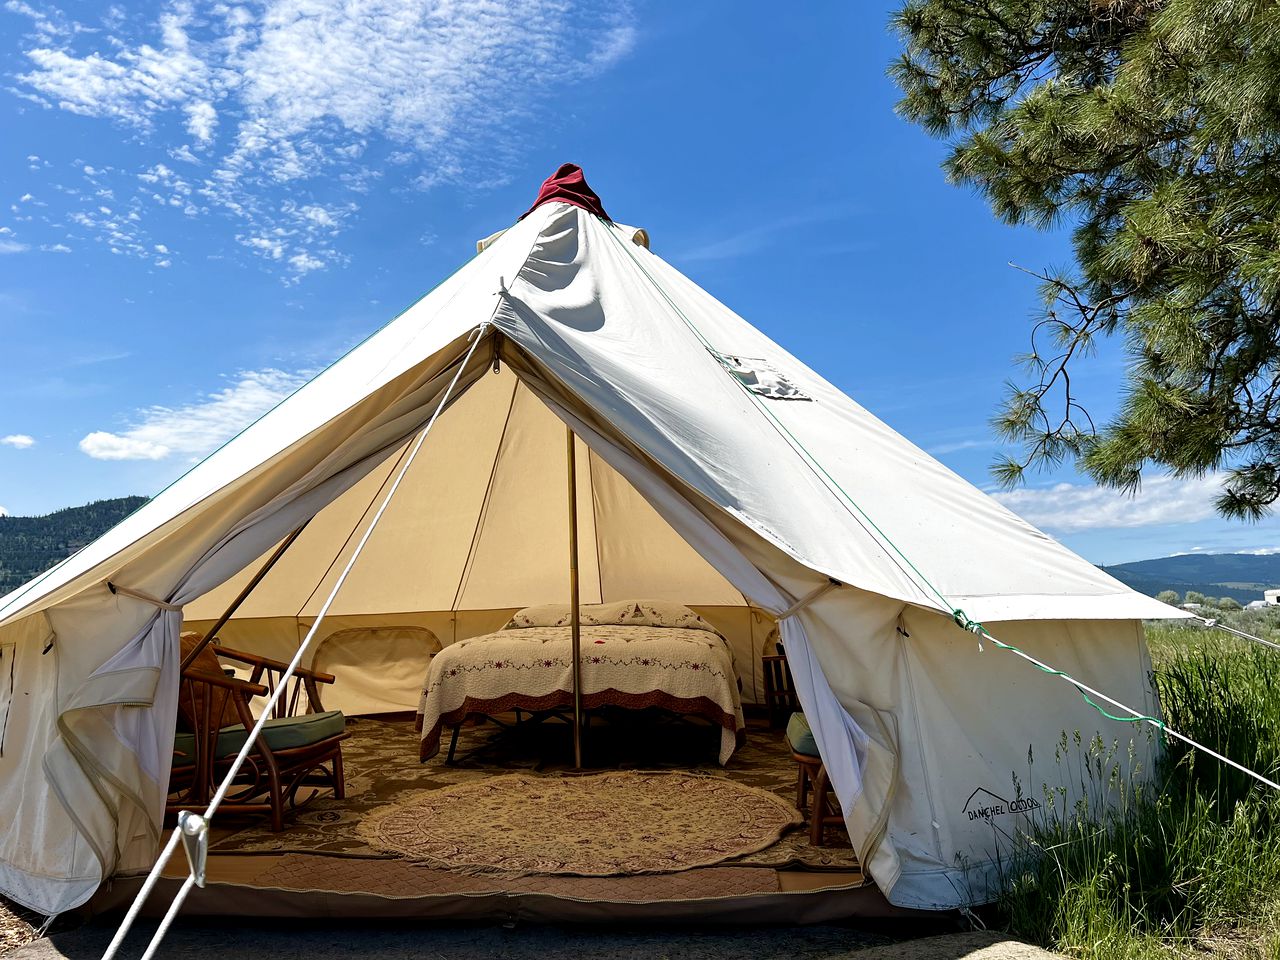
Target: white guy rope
[
  {"x": 150, "y": 882},
  {"x": 147, "y": 886},
  {"x": 1209, "y": 622},
  {"x": 1136, "y": 714}
]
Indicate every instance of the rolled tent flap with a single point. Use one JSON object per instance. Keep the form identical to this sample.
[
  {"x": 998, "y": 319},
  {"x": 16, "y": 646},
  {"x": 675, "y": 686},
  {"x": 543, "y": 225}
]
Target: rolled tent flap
[{"x": 860, "y": 753}]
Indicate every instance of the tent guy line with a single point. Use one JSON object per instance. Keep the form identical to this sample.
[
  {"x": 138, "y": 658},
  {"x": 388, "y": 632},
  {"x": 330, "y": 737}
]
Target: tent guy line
[
  {"x": 957, "y": 614},
  {"x": 807, "y": 458},
  {"x": 201, "y": 824},
  {"x": 1210, "y": 623},
  {"x": 1136, "y": 718}
]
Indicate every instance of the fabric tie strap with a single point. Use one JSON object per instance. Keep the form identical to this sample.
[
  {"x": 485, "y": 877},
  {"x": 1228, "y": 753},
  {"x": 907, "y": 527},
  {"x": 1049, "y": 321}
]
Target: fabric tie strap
[
  {"x": 809, "y": 598},
  {"x": 115, "y": 588}
]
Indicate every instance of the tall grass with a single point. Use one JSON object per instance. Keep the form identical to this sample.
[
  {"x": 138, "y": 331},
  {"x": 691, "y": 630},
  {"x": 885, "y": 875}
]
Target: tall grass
[{"x": 1174, "y": 863}]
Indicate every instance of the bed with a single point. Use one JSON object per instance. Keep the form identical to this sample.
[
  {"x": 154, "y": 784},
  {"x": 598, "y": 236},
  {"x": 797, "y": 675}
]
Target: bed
[{"x": 635, "y": 655}]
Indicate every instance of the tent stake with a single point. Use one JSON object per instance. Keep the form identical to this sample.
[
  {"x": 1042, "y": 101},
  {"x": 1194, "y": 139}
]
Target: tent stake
[
  {"x": 575, "y": 619},
  {"x": 243, "y": 595}
]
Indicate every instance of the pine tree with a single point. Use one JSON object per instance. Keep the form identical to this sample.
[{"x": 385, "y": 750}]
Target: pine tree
[{"x": 1153, "y": 128}]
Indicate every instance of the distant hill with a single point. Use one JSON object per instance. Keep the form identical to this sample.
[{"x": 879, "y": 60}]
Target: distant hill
[
  {"x": 1242, "y": 576},
  {"x": 31, "y": 545}
]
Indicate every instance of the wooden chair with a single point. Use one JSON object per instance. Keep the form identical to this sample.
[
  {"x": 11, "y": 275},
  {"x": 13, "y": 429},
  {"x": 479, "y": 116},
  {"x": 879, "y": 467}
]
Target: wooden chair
[
  {"x": 300, "y": 745},
  {"x": 780, "y": 698}
]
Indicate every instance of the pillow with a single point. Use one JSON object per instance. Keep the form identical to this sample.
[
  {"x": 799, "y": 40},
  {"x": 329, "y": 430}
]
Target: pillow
[
  {"x": 636, "y": 613},
  {"x": 191, "y": 696}
]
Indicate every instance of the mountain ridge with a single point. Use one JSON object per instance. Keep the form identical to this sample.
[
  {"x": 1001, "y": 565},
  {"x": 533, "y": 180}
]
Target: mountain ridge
[
  {"x": 1241, "y": 576},
  {"x": 31, "y": 545}
]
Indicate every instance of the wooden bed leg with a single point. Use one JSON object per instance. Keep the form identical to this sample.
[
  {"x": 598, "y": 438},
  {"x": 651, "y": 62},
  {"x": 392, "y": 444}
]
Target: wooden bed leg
[{"x": 453, "y": 745}]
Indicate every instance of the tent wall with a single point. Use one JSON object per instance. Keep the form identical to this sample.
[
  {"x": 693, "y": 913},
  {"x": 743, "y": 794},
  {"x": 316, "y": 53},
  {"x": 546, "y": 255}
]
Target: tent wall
[
  {"x": 43, "y": 858},
  {"x": 972, "y": 721}
]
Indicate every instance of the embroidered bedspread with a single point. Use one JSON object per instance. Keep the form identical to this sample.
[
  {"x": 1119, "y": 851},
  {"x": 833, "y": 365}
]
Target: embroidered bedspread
[{"x": 689, "y": 672}]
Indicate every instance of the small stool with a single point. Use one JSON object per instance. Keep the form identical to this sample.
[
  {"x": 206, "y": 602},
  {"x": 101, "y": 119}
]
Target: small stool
[{"x": 810, "y": 774}]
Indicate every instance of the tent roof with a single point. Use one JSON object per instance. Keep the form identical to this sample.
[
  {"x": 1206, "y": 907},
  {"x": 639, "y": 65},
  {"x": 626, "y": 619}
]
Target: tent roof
[{"x": 609, "y": 330}]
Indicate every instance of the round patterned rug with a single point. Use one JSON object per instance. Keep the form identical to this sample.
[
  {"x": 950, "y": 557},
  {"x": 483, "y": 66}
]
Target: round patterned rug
[{"x": 597, "y": 825}]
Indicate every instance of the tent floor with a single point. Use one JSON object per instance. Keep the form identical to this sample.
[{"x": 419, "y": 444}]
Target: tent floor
[
  {"x": 234, "y": 889},
  {"x": 319, "y": 866}
]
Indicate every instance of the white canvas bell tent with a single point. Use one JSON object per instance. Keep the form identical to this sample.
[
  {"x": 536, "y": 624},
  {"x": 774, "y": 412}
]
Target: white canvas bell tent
[{"x": 721, "y": 472}]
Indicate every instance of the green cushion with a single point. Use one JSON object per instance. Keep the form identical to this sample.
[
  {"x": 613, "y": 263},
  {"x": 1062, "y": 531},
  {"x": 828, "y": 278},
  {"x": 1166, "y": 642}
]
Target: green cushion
[
  {"x": 184, "y": 749},
  {"x": 800, "y": 736},
  {"x": 281, "y": 733}
]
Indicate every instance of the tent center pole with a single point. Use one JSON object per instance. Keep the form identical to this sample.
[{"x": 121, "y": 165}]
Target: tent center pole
[{"x": 575, "y": 619}]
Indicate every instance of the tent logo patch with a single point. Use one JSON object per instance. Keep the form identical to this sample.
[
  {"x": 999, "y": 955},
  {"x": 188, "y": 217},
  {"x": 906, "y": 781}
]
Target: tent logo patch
[
  {"x": 985, "y": 805},
  {"x": 761, "y": 377}
]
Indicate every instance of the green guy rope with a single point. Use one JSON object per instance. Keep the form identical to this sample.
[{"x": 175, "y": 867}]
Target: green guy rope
[{"x": 961, "y": 619}]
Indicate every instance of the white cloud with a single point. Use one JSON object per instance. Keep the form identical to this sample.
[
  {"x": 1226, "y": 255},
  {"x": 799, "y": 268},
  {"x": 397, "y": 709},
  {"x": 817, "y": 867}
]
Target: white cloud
[
  {"x": 293, "y": 91},
  {"x": 202, "y": 118},
  {"x": 305, "y": 263},
  {"x": 56, "y": 248},
  {"x": 3, "y": 512},
  {"x": 195, "y": 429},
  {"x": 1071, "y": 508},
  {"x": 12, "y": 246},
  {"x": 18, "y": 440},
  {"x": 112, "y": 446},
  {"x": 956, "y": 446}
]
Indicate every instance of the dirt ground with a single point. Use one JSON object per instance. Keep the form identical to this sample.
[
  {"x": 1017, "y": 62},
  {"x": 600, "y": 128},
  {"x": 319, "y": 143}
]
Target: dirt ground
[{"x": 17, "y": 926}]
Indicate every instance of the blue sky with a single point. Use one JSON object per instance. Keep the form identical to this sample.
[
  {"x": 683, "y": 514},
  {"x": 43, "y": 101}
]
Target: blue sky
[{"x": 202, "y": 202}]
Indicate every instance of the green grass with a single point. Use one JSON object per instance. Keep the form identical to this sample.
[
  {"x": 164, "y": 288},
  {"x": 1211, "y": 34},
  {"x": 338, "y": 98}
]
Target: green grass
[{"x": 1182, "y": 862}]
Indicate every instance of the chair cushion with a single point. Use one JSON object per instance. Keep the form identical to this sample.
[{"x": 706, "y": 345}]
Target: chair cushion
[
  {"x": 184, "y": 749},
  {"x": 281, "y": 733},
  {"x": 800, "y": 736}
]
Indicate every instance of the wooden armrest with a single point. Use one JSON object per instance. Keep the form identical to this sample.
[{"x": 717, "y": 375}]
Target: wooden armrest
[
  {"x": 254, "y": 660},
  {"x": 227, "y": 683}
]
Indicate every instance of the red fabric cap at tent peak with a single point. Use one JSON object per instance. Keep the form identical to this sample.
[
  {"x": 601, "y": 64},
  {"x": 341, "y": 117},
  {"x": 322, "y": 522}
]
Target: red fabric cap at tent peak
[{"x": 568, "y": 185}]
